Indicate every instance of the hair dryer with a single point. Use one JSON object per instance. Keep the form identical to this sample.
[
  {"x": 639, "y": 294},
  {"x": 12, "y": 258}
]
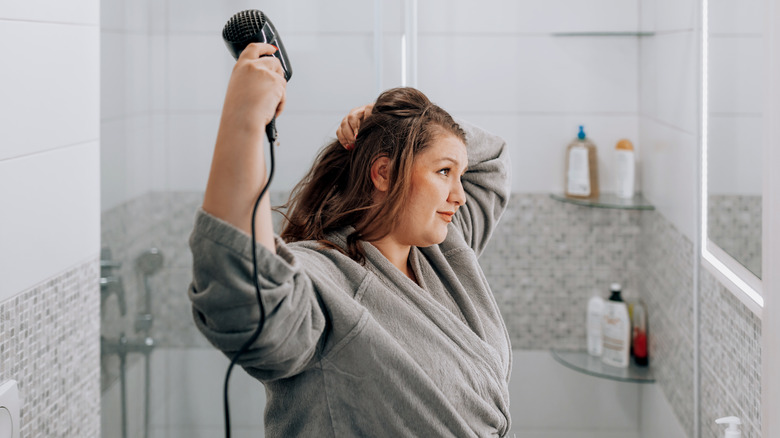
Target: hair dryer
[{"x": 252, "y": 26}]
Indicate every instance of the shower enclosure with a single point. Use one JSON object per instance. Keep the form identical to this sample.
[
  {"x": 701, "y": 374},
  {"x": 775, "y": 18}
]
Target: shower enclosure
[{"x": 164, "y": 72}]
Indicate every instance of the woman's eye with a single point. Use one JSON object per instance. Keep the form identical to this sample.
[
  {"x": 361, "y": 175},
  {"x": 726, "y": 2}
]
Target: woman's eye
[{"x": 444, "y": 172}]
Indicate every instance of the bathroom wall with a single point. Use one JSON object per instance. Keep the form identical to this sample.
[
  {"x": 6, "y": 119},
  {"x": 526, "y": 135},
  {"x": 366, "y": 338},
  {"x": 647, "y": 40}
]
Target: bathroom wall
[
  {"x": 49, "y": 232},
  {"x": 730, "y": 359}
]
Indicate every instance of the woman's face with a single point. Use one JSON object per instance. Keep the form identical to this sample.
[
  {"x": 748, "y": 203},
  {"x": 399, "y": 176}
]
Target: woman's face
[{"x": 436, "y": 192}]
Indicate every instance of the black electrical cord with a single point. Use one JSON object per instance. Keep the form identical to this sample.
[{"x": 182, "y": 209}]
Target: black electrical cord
[{"x": 270, "y": 131}]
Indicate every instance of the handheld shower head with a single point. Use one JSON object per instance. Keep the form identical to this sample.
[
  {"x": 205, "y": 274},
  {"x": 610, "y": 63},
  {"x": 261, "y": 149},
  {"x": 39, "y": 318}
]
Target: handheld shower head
[{"x": 149, "y": 262}]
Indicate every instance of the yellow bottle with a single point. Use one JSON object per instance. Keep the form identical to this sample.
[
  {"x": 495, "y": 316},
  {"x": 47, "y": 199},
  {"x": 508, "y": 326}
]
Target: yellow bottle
[{"x": 582, "y": 177}]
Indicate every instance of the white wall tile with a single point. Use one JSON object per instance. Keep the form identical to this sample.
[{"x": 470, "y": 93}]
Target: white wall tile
[
  {"x": 668, "y": 173},
  {"x": 674, "y": 15},
  {"x": 658, "y": 418},
  {"x": 736, "y": 16},
  {"x": 113, "y": 171},
  {"x": 331, "y": 72},
  {"x": 189, "y": 148},
  {"x": 537, "y": 145},
  {"x": 291, "y": 16},
  {"x": 139, "y": 73},
  {"x": 532, "y": 74},
  {"x": 112, "y": 14},
  {"x": 548, "y": 396},
  {"x": 199, "y": 405},
  {"x": 735, "y": 74},
  {"x": 500, "y": 16},
  {"x": 670, "y": 80},
  {"x": 137, "y": 15},
  {"x": 51, "y": 85},
  {"x": 140, "y": 150},
  {"x": 54, "y": 223},
  {"x": 198, "y": 69},
  {"x": 735, "y": 148},
  {"x": 158, "y": 72},
  {"x": 70, "y": 11},
  {"x": 113, "y": 75},
  {"x": 301, "y": 136}
]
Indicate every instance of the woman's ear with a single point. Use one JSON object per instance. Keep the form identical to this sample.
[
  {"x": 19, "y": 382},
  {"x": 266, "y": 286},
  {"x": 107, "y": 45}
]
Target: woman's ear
[{"x": 380, "y": 173}]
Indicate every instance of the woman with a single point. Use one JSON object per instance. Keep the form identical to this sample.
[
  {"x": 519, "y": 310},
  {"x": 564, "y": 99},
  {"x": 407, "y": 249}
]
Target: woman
[{"x": 378, "y": 319}]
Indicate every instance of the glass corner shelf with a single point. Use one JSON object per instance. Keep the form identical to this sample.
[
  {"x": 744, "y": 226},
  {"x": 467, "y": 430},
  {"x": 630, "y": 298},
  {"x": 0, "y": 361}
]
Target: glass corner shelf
[
  {"x": 603, "y": 34},
  {"x": 609, "y": 200},
  {"x": 583, "y": 362}
]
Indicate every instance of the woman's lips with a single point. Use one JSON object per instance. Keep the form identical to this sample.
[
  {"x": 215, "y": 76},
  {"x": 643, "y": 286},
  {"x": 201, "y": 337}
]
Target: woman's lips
[{"x": 447, "y": 215}]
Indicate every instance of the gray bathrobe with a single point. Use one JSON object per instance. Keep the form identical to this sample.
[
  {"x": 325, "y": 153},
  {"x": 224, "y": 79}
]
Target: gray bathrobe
[{"x": 351, "y": 350}]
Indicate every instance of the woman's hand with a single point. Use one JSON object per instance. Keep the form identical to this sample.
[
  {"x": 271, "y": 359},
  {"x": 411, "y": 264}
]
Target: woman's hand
[
  {"x": 255, "y": 95},
  {"x": 348, "y": 130},
  {"x": 256, "y": 91}
]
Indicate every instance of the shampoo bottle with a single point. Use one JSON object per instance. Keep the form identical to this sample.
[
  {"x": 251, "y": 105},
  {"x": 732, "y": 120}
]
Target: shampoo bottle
[
  {"x": 624, "y": 169},
  {"x": 582, "y": 178},
  {"x": 594, "y": 317},
  {"x": 616, "y": 328}
]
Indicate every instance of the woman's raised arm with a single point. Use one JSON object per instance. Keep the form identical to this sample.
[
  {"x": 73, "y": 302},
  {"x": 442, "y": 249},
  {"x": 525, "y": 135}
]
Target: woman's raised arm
[{"x": 255, "y": 95}]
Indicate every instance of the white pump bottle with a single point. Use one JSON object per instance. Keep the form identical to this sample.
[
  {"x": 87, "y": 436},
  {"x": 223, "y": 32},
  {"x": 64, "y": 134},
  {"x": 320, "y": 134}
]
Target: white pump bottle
[{"x": 733, "y": 430}]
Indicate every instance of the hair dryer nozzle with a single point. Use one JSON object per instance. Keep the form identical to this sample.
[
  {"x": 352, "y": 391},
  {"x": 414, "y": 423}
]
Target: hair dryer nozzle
[{"x": 252, "y": 26}]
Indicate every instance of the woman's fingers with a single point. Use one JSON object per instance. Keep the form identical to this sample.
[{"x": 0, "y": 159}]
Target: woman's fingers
[
  {"x": 350, "y": 125},
  {"x": 256, "y": 91}
]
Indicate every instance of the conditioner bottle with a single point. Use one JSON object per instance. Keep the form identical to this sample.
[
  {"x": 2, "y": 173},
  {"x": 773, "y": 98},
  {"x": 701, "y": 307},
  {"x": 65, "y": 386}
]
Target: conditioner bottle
[
  {"x": 624, "y": 169},
  {"x": 582, "y": 178},
  {"x": 616, "y": 329},
  {"x": 594, "y": 317}
]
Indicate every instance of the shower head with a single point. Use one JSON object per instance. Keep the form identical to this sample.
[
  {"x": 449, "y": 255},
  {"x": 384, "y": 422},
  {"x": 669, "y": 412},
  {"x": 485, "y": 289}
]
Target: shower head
[{"x": 149, "y": 262}]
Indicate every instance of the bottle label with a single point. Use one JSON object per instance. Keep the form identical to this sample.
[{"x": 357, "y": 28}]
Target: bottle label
[
  {"x": 624, "y": 173},
  {"x": 578, "y": 178}
]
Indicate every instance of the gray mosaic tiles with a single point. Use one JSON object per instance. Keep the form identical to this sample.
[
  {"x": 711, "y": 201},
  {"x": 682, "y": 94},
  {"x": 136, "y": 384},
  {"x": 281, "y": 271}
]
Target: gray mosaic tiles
[
  {"x": 730, "y": 360},
  {"x": 734, "y": 224},
  {"x": 49, "y": 345},
  {"x": 547, "y": 259},
  {"x": 666, "y": 283}
]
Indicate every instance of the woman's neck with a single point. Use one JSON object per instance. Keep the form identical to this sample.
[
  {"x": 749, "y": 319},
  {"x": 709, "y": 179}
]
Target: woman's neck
[{"x": 397, "y": 254}]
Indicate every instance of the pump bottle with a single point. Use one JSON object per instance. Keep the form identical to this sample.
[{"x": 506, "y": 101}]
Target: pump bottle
[
  {"x": 616, "y": 330},
  {"x": 582, "y": 178},
  {"x": 733, "y": 430}
]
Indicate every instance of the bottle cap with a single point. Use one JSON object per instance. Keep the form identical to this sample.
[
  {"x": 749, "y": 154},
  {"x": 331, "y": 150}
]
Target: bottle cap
[
  {"x": 624, "y": 145},
  {"x": 733, "y": 430},
  {"x": 581, "y": 134},
  {"x": 615, "y": 289}
]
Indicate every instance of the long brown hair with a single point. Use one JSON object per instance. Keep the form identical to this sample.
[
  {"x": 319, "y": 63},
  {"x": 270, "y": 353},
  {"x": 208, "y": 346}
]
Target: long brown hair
[{"x": 338, "y": 190}]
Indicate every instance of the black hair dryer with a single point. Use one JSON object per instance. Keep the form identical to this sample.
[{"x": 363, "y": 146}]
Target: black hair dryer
[{"x": 253, "y": 26}]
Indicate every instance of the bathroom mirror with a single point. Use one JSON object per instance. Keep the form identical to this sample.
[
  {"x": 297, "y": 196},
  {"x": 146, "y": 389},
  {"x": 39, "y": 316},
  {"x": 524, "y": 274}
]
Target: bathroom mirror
[{"x": 734, "y": 132}]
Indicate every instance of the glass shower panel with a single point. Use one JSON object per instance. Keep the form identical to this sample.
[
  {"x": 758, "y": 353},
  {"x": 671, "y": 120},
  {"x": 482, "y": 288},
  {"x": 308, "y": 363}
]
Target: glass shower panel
[{"x": 164, "y": 72}]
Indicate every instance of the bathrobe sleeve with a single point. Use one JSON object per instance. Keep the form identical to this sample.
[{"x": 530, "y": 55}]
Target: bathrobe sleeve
[
  {"x": 487, "y": 186},
  {"x": 224, "y": 302}
]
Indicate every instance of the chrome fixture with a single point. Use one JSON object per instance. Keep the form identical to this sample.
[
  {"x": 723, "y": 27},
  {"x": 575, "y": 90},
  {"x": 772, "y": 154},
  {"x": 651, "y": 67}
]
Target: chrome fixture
[
  {"x": 122, "y": 347},
  {"x": 148, "y": 263},
  {"x": 111, "y": 284}
]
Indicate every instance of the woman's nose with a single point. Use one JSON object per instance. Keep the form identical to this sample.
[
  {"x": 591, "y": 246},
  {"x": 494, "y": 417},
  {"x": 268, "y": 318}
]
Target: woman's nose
[{"x": 457, "y": 194}]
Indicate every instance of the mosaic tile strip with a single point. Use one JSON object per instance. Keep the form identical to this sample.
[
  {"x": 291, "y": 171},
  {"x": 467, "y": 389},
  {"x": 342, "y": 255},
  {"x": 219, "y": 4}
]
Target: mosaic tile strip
[
  {"x": 730, "y": 360},
  {"x": 49, "y": 345},
  {"x": 666, "y": 282},
  {"x": 735, "y": 225}
]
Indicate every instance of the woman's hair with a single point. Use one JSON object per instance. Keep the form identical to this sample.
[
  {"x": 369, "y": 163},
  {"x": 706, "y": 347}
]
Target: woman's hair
[{"x": 338, "y": 190}]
